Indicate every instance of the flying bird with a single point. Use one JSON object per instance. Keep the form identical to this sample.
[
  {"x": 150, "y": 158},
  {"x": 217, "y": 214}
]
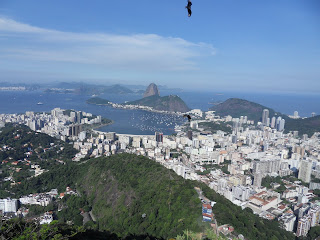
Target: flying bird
[
  {"x": 189, "y": 8},
  {"x": 188, "y": 116}
]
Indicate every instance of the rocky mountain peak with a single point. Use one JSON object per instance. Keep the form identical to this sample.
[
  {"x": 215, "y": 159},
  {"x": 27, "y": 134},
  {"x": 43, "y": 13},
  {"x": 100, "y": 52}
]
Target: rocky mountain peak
[{"x": 152, "y": 90}]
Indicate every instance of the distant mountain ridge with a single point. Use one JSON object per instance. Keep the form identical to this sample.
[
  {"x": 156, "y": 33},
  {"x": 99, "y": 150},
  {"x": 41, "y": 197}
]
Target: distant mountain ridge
[
  {"x": 114, "y": 89},
  {"x": 89, "y": 89}
]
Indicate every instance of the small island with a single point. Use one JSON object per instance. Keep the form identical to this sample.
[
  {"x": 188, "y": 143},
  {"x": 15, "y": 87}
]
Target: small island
[{"x": 98, "y": 101}]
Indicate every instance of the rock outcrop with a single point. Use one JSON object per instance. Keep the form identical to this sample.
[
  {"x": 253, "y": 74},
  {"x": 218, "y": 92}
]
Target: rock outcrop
[{"x": 152, "y": 90}]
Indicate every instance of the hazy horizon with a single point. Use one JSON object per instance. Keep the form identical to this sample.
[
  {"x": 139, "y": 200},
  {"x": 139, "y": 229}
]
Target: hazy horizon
[{"x": 234, "y": 46}]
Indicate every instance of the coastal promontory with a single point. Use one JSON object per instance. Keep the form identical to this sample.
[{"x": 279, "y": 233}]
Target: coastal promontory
[
  {"x": 171, "y": 103},
  {"x": 151, "y": 98}
]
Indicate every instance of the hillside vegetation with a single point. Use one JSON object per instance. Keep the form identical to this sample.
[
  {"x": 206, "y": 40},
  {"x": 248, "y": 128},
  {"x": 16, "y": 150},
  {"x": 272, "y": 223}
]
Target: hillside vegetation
[
  {"x": 171, "y": 103},
  {"x": 122, "y": 188},
  {"x": 20, "y": 148},
  {"x": 214, "y": 127},
  {"x": 236, "y": 107},
  {"x": 98, "y": 101},
  {"x": 304, "y": 126}
]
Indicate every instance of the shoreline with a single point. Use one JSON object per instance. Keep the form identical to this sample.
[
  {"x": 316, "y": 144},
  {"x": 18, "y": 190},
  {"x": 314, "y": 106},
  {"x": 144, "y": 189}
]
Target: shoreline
[
  {"x": 93, "y": 128},
  {"x": 137, "y": 107}
]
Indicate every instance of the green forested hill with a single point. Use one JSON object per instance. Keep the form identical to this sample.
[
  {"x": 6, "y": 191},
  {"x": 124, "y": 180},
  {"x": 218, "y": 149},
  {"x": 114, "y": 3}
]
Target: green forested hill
[
  {"x": 121, "y": 188},
  {"x": 20, "y": 148},
  {"x": 98, "y": 101},
  {"x": 236, "y": 107},
  {"x": 171, "y": 103},
  {"x": 304, "y": 126},
  {"x": 20, "y": 139}
]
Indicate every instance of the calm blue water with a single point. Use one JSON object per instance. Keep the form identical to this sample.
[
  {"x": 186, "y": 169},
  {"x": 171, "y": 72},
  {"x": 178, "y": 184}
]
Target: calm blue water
[
  {"x": 284, "y": 103},
  {"x": 141, "y": 122},
  {"x": 125, "y": 121}
]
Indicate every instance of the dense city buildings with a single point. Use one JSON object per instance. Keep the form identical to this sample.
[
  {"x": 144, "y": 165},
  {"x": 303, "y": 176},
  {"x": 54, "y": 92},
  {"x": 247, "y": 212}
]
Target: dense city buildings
[{"x": 237, "y": 164}]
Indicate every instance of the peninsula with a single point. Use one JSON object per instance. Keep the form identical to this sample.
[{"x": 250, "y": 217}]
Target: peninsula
[
  {"x": 152, "y": 98},
  {"x": 151, "y": 102}
]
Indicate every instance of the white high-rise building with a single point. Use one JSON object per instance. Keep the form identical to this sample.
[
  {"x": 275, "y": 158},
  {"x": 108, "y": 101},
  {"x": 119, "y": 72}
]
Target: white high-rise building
[
  {"x": 273, "y": 122},
  {"x": 241, "y": 193},
  {"x": 288, "y": 221},
  {"x": 303, "y": 226},
  {"x": 265, "y": 116},
  {"x": 305, "y": 170},
  {"x": 280, "y": 124},
  {"x": 257, "y": 179},
  {"x": 314, "y": 214},
  {"x": 194, "y": 124},
  {"x": 8, "y": 205},
  {"x": 195, "y": 143}
]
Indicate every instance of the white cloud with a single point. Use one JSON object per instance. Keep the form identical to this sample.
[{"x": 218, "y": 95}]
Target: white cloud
[
  {"x": 9, "y": 25},
  {"x": 132, "y": 52}
]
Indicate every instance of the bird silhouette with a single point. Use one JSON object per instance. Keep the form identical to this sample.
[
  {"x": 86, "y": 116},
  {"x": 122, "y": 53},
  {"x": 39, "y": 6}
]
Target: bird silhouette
[
  {"x": 189, "y": 8},
  {"x": 188, "y": 116}
]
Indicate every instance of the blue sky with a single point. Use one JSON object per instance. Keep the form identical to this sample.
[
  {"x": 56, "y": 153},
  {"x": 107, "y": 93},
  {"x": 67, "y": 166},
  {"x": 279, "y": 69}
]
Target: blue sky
[{"x": 227, "y": 45}]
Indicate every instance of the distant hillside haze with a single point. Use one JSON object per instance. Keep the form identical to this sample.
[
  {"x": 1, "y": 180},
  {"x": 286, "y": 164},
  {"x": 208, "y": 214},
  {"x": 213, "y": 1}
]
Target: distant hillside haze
[{"x": 90, "y": 89}]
